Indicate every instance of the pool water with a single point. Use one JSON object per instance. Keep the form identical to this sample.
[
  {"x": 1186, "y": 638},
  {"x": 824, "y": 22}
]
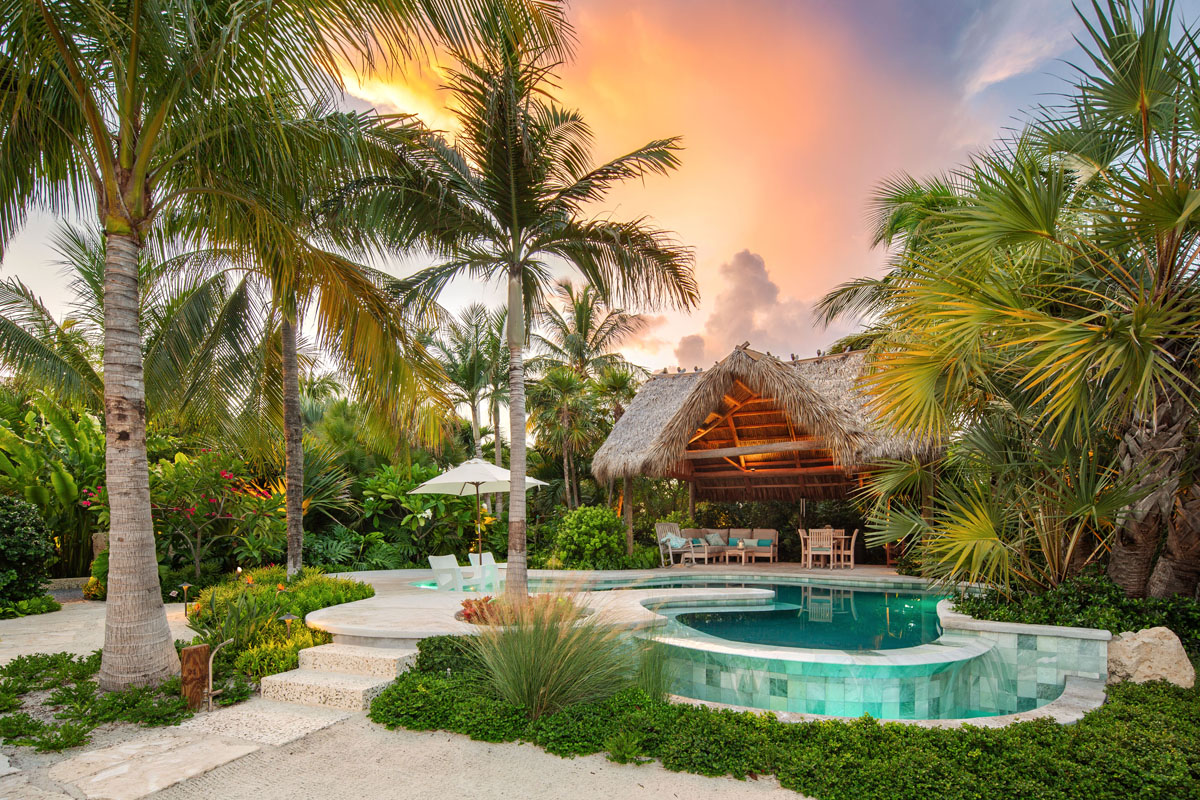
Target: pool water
[{"x": 828, "y": 618}]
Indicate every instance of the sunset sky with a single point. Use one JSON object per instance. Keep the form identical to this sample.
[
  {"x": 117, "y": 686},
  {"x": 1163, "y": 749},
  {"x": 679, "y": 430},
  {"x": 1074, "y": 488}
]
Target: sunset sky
[{"x": 791, "y": 112}]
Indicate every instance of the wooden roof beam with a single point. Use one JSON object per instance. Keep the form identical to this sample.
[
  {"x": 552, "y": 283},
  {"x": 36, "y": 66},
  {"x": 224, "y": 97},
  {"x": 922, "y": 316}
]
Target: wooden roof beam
[{"x": 755, "y": 449}]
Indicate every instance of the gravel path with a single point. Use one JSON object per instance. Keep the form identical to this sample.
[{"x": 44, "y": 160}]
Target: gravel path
[{"x": 358, "y": 759}]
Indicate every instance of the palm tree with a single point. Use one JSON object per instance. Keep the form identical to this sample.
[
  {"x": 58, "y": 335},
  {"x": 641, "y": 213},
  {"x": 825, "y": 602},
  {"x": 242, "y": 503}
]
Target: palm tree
[
  {"x": 1064, "y": 266},
  {"x": 614, "y": 389},
  {"x": 514, "y": 189},
  {"x": 200, "y": 330},
  {"x": 137, "y": 109},
  {"x": 584, "y": 334},
  {"x": 461, "y": 351},
  {"x": 496, "y": 356},
  {"x": 358, "y": 324},
  {"x": 562, "y": 411}
]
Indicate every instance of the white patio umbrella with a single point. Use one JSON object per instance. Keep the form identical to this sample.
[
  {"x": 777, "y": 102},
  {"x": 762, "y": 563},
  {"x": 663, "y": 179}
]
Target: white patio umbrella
[{"x": 473, "y": 476}]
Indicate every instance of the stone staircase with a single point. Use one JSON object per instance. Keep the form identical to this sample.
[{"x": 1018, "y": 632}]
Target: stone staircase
[{"x": 338, "y": 676}]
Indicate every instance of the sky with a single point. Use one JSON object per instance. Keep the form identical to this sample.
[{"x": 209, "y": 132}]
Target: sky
[{"x": 791, "y": 111}]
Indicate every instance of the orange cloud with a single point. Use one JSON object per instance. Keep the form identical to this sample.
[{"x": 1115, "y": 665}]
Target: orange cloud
[{"x": 790, "y": 118}]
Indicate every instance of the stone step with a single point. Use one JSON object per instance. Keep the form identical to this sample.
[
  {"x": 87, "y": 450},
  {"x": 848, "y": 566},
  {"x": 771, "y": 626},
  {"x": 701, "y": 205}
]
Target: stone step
[
  {"x": 330, "y": 689},
  {"x": 376, "y": 662}
]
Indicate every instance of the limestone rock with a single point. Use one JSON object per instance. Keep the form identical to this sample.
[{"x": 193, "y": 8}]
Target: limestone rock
[{"x": 1149, "y": 655}]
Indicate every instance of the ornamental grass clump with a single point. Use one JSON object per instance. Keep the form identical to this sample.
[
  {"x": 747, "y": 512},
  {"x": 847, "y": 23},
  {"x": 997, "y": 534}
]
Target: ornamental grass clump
[{"x": 545, "y": 656}]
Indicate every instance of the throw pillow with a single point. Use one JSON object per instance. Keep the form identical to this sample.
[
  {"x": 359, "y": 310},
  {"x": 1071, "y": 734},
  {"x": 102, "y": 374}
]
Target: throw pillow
[
  {"x": 676, "y": 542},
  {"x": 764, "y": 542},
  {"x": 733, "y": 541},
  {"x": 715, "y": 539}
]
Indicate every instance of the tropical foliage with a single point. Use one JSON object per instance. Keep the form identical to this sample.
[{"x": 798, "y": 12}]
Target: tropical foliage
[{"x": 1040, "y": 318}]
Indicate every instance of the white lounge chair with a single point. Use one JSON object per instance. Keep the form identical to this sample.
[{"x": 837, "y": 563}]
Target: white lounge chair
[
  {"x": 487, "y": 571},
  {"x": 447, "y": 573}
]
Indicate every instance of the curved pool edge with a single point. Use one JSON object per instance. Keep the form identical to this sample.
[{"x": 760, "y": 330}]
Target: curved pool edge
[{"x": 1079, "y": 697}]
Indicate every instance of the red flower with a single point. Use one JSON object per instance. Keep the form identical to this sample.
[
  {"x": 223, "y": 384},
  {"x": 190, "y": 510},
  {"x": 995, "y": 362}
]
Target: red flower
[{"x": 85, "y": 503}]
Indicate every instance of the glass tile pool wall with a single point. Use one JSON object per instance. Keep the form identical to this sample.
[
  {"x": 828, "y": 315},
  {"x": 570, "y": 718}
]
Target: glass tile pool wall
[{"x": 959, "y": 689}]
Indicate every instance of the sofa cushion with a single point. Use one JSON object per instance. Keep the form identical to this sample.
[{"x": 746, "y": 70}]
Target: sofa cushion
[
  {"x": 715, "y": 539},
  {"x": 765, "y": 542}
]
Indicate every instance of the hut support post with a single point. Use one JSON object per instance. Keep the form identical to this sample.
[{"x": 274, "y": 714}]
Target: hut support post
[
  {"x": 691, "y": 499},
  {"x": 627, "y": 512}
]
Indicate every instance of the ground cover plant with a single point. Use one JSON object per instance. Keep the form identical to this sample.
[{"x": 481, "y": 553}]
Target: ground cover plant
[
  {"x": 1090, "y": 601},
  {"x": 51, "y": 702},
  {"x": 1144, "y": 742},
  {"x": 252, "y": 610}
]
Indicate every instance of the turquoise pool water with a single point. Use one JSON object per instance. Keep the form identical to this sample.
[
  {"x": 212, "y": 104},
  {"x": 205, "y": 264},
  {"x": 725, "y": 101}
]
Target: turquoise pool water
[{"x": 827, "y": 618}]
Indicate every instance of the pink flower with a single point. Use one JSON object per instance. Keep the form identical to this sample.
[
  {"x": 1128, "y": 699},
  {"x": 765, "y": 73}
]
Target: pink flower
[
  {"x": 212, "y": 499},
  {"x": 85, "y": 503}
]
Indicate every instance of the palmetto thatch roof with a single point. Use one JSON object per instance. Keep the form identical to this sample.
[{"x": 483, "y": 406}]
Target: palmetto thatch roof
[{"x": 774, "y": 429}]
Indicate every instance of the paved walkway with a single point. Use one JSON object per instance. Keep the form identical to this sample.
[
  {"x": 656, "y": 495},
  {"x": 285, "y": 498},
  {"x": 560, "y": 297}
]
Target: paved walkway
[{"x": 78, "y": 628}]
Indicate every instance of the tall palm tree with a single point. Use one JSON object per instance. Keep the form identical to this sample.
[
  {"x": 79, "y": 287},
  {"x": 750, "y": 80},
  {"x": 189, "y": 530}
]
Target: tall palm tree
[
  {"x": 562, "y": 411},
  {"x": 584, "y": 334},
  {"x": 1064, "y": 264},
  {"x": 357, "y": 323},
  {"x": 461, "y": 351},
  {"x": 134, "y": 109},
  {"x": 515, "y": 188}
]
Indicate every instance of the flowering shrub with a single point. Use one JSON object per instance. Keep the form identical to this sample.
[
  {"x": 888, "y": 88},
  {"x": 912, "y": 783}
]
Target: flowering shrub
[{"x": 206, "y": 508}]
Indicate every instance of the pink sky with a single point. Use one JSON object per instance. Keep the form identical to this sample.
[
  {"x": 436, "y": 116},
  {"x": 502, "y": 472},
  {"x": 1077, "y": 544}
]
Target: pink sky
[{"x": 791, "y": 112}]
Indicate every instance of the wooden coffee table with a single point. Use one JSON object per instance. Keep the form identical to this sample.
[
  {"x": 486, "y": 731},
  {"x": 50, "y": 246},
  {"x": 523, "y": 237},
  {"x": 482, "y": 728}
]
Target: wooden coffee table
[{"x": 736, "y": 552}]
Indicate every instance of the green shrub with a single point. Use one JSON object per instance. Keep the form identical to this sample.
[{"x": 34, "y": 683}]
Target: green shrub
[
  {"x": 1090, "y": 601},
  {"x": 273, "y": 657},
  {"x": 591, "y": 537},
  {"x": 243, "y": 619},
  {"x": 25, "y": 608},
  {"x": 442, "y": 655},
  {"x": 26, "y": 551},
  {"x": 544, "y": 656}
]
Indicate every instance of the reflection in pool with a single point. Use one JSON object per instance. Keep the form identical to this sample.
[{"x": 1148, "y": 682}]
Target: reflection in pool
[{"x": 827, "y": 618}]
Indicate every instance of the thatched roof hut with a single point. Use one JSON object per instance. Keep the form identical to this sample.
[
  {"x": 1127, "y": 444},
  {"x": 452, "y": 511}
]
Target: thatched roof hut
[{"x": 754, "y": 427}]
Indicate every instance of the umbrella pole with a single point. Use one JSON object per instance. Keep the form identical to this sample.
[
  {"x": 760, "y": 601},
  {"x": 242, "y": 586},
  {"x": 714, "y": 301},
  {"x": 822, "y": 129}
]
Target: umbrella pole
[{"x": 478, "y": 526}]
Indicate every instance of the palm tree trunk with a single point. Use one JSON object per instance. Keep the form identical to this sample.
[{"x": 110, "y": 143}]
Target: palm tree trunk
[
  {"x": 293, "y": 448},
  {"x": 478, "y": 445},
  {"x": 1152, "y": 449},
  {"x": 627, "y": 513},
  {"x": 497, "y": 499},
  {"x": 516, "y": 579},
  {"x": 567, "y": 496},
  {"x": 1177, "y": 571},
  {"x": 138, "y": 647}
]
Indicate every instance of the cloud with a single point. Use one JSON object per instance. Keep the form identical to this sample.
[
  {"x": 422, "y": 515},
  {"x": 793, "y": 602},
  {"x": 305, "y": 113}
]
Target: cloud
[
  {"x": 751, "y": 308},
  {"x": 1013, "y": 38}
]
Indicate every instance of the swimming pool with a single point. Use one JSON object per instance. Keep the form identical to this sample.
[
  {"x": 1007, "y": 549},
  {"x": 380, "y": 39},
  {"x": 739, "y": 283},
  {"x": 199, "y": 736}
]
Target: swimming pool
[{"x": 847, "y": 647}]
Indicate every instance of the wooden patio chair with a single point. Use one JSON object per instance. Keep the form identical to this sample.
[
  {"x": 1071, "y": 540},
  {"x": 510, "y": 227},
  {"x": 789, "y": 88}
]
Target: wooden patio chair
[
  {"x": 671, "y": 543},
  {"x": 820, "y": 545},
  {"x": 844, "y": 552}
]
